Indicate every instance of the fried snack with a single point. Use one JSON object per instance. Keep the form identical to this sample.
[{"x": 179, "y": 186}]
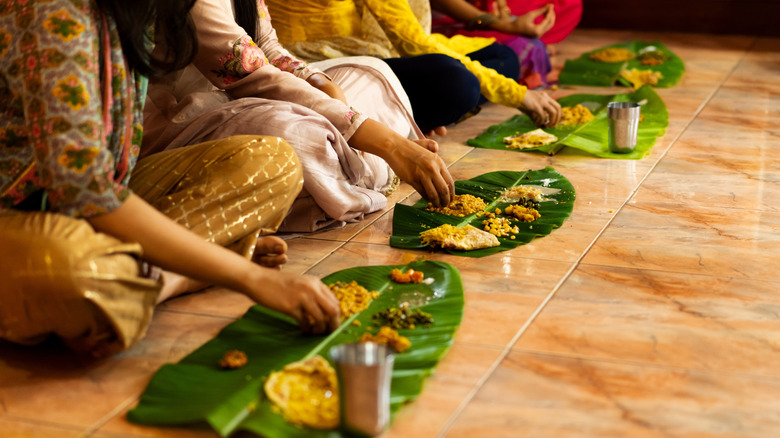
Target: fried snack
[
  {"x": 451, "y": 237},
  {"x": 353, "y": 298},
  {"x": 410, "y": 276},
  {"x": 461, "y": 205},
  {"x": 525, "y": 214},
  {"x": 525, "y": 193},
  {"x": 306, "y": 392},
  {"x": 390, "y": 337},
  {"x": 233, "y": 359},
  {"x": 531, "y": 139},
  {"x": 641, "y": 77},
  {"x": 575, "y": 115},
  {"x": 612, "y": 55}
]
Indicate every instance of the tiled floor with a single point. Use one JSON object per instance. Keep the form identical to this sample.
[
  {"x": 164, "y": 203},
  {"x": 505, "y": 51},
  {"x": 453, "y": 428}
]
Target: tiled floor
[{"x": 654, "y": 310}]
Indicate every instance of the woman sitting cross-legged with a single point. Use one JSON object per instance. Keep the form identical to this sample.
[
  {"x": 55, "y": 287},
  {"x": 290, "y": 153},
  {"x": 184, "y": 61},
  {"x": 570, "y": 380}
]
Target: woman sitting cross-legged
[{"x": 82, "y": 218}]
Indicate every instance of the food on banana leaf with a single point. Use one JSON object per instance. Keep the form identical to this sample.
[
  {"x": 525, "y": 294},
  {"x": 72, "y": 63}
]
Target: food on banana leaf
[
  {"x": 233, "y": 359},
  {"x": 390, "y": 337},
  {"x": 461, "y": 205},
  {"x": 641, "y": 77},
  {"x": 652, "y": 57},
  {"x": 403, "y": 317},
  {"x": 353, "y": 298},
  {"x": 451, "y": 237},
  {"x": 612, "y": 55},
  {"x": 410, "y": 276},
  {"x": 306, "y": 392},
  {"x": 527, "y": 193},
  {"x": 499, "y": 226},
  {"x": 523, "y": 213},
  {"x": 531, "y": 139},
  {"x": 575, "y": 115}
]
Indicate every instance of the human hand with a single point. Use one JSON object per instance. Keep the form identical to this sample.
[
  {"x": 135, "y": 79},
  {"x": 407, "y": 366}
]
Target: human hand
[
  {"x": 416, "y": 162},
  {"x": 524, "y": 24},
  {"x": 303, "y": 297},
  {"x": 542, "y": 108}
]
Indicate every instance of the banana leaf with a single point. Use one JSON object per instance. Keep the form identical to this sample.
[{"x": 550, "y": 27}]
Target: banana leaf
[
  {"x": 591, "y": 137},
  {"x": 585, "y": 71},
  {"x": 410, "y": 221},
  {"x": 196, "y": 391}
]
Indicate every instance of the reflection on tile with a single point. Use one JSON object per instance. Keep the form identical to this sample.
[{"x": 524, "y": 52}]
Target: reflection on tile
[
  {"x": 119, "y": 427},
  {"x": 662, "y": 318},
  {"x": 213, "y": 301},
  {"x": 28, "y": 429},
  {"x": 546, "y": 396},
  {"x": 756, "y": 105},
  {"x": 78, "y": 391},
  {"x": 501, "y": 292},
  {"x": 453, "y": 379},
  {"x": 698, "y": 240},
  {"x": 303, "y": 253},
  {"x": 761, "y": 64}
]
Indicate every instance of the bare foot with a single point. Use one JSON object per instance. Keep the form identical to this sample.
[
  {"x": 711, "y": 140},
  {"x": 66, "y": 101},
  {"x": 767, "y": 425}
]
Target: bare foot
[
  {"x": 270, "y": 252},
  {"x": 439, "y": 130}
]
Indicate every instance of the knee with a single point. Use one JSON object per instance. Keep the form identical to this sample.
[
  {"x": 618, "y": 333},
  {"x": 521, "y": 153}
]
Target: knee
[{"x": 461, "y": 87}]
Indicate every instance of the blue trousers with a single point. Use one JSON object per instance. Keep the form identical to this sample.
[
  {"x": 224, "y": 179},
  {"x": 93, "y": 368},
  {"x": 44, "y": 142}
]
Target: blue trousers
[{"x": 441, "y": 89}]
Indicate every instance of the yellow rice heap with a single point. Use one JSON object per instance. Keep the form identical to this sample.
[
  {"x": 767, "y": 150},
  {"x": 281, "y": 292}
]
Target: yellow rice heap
[
  {"x": 575, "y": 115},
  {"x": 612, "y": 55},
  {"x": 499, "y": 226},
  {"x": 524, "y": 192},
  {"x": 531, "y": 139},
  {"x": 641, "y": 77},
  {"x": 451, "y": 237},
  {"x": 306, "y": 392},
  {"x": 525, "y": 214},
  {"x": 461, "y": 205},
  {"x": 353, "y": 298}
]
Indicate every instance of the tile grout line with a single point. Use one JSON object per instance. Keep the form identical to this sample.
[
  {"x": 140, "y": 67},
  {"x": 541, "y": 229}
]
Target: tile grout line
[
  {"x": 462, "y": 406},
  {"x": 91, "y": 430}
]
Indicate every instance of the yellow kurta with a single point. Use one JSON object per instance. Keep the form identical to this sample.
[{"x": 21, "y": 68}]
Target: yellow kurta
[{"x": 316, "y": 30}]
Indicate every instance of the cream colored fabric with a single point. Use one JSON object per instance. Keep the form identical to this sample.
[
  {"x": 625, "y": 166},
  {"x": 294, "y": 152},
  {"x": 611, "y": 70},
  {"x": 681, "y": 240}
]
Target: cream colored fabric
[{"x": 60, "y": 277}]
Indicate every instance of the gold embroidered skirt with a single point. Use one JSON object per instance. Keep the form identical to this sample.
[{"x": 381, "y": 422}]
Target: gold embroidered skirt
[{"x": 63, "y": 278}]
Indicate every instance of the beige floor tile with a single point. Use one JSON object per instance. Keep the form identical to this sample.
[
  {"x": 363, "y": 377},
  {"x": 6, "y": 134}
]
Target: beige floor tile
[
  {"x": 49, "y": 383},
  {"x": 212, "y": 301},
  {"x": 697, "y": 240},
  {"x": 662, "y": 318},
  {"x": 453, "y": 379},
  {"x": 756, "y": 105},
  {"x": 119, "y": 427},
  {"x": 761, "y": 64},
  {"x": 546, "y": 396},
  {"x": 305, "y": 252},
  {"x": 11, "y": 428}
]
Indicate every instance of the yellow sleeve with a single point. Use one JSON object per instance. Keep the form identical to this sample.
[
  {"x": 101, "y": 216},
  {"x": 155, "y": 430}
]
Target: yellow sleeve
[{"x": 410, "y": 39}]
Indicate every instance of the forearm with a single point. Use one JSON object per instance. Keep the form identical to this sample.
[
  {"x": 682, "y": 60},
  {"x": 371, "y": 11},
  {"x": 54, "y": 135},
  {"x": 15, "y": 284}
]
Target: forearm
[
  {"x": 322, "y": 83},
  {"x": 458, "y": 10},
  {"x": 174, "y": 248}
]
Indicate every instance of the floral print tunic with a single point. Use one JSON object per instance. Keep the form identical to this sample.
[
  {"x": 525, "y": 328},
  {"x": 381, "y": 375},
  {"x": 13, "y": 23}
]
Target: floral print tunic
[{"x": 71, "y": 124}]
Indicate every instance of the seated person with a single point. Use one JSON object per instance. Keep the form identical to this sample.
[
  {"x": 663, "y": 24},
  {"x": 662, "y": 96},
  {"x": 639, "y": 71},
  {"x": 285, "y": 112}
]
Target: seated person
[
  {"x": 82, "y": 219},
  {"x": 525, "y": 26},
  {"x": 401, "y": 28},
  {"x": 242, "y": 82}
]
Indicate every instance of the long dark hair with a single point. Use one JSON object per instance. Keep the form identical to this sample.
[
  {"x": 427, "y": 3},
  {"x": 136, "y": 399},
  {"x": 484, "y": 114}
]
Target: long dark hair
[
  {"x": 173, "y": 29},
  {"x": 247, "y": 16}
]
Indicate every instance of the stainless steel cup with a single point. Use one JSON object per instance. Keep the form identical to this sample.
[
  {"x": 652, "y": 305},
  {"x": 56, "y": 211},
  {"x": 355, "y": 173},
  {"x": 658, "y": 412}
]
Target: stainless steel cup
[
  {"x": 623, "y": 119},
  {"x": 364, "y": 371}
]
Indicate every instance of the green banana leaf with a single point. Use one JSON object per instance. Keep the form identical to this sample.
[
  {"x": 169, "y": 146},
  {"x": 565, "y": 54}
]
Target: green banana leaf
[
  {"x": 585, "y": 71},
  {"x": 591, "y": 137},
  {"x": 196, "y": 391},
  {"x": 410, "y": 221}
]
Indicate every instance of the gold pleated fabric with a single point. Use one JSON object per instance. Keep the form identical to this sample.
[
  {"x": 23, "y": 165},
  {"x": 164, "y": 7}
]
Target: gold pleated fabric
[{"x": 63, "y": 278}]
